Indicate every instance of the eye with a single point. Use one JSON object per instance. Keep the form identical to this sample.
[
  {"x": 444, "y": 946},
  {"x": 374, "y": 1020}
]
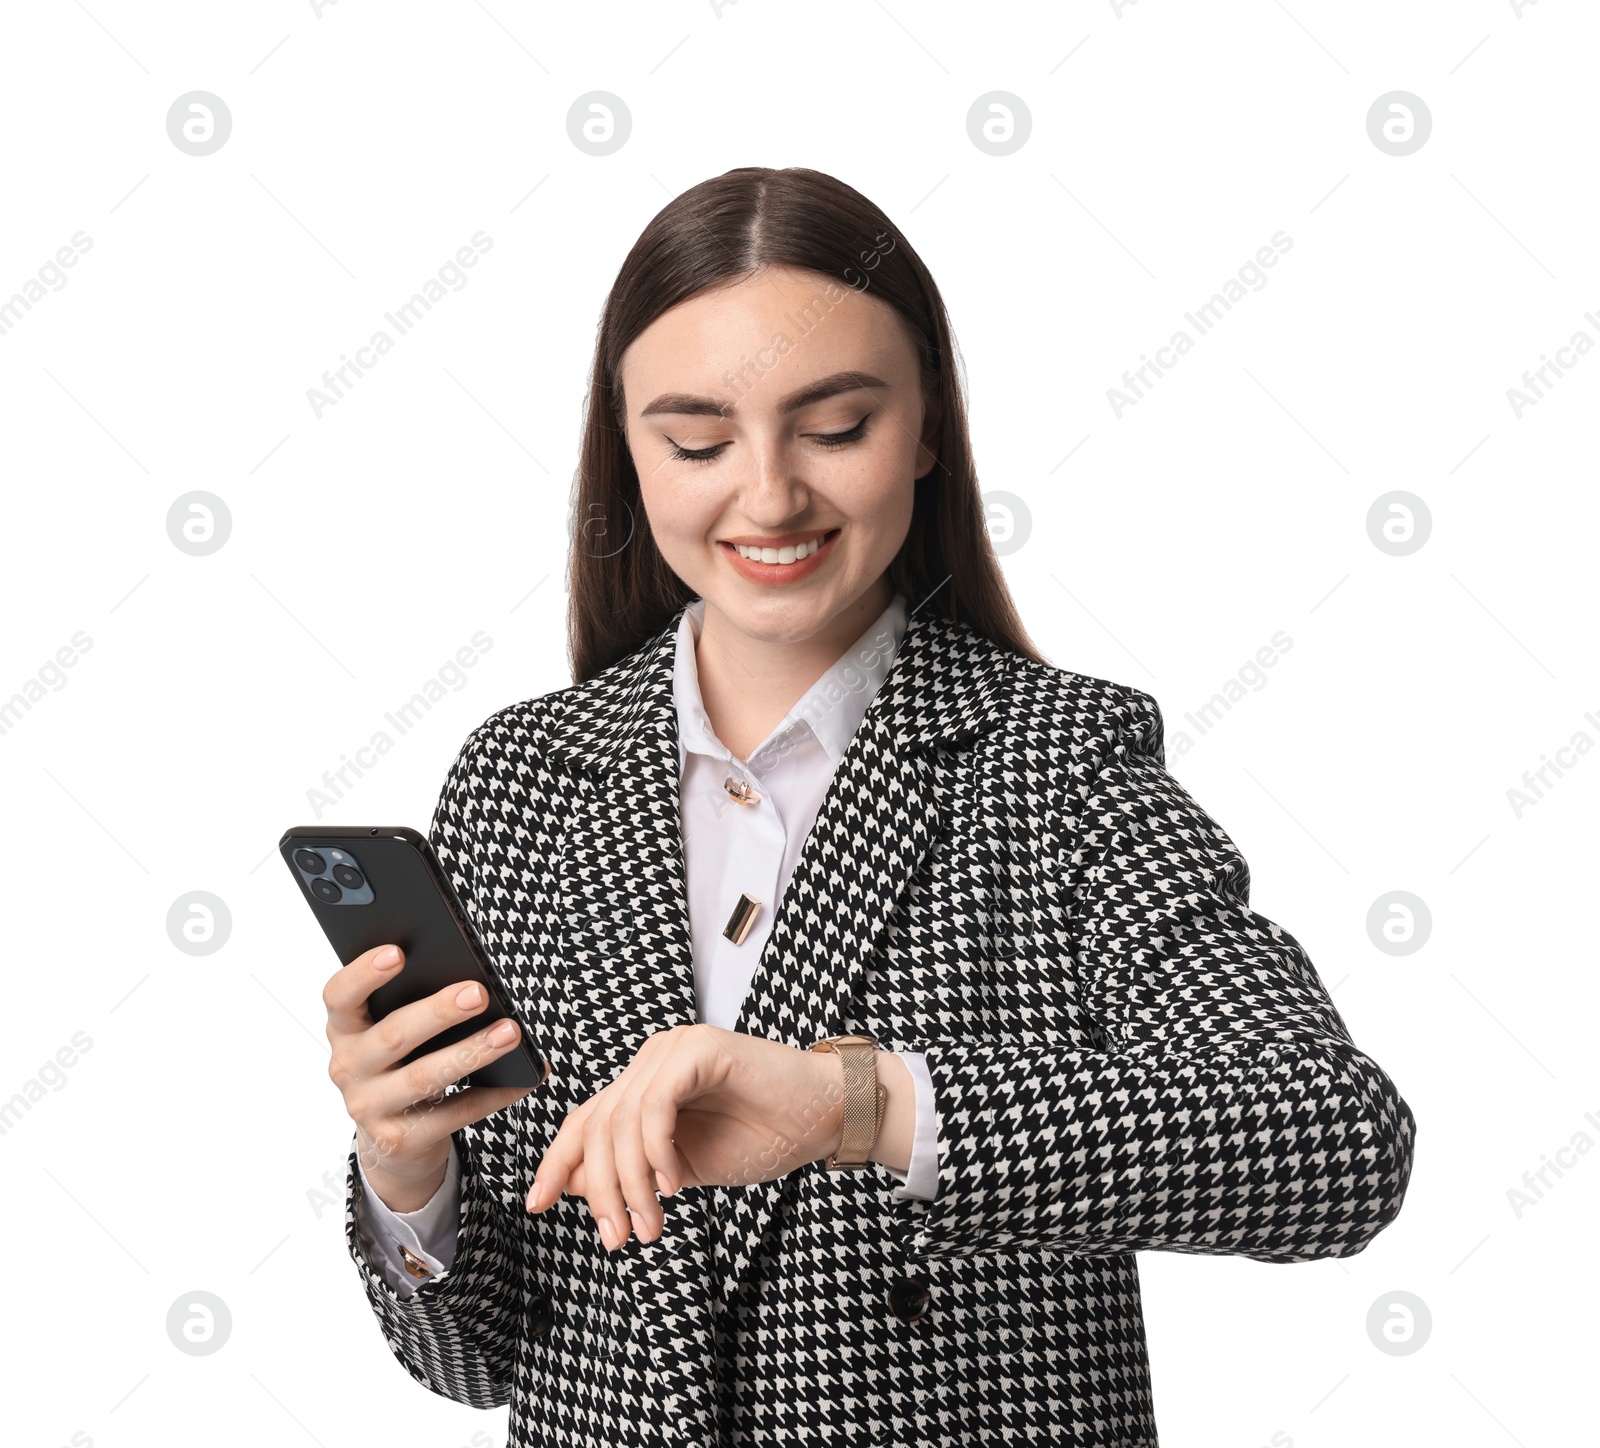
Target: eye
[
  {"x": 840, "y": 439},
  {"x": 696, "y": 455},
  {"x": 826, "y": 440}
]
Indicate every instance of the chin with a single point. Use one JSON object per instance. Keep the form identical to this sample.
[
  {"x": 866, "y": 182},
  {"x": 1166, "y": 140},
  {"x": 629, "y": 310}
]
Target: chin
[{"x": 778, "y": 620}]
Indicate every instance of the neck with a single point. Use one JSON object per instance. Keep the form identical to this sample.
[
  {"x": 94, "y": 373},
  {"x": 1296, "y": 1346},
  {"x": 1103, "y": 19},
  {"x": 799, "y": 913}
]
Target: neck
[{"x": 748, "y": 684}]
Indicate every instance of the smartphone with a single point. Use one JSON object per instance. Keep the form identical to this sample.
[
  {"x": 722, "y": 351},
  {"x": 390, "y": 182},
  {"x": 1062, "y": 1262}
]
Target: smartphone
[{"x": 384, "y": 885}]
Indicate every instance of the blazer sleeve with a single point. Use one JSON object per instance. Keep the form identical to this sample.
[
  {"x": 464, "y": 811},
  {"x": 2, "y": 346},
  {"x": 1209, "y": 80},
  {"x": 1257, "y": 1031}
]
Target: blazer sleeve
[
  {"x": 456, "y": 1334},
  {"x": 1221, "y": 1106}
]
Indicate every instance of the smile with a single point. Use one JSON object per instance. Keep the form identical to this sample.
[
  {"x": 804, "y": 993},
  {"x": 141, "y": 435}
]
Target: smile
[
  {"x": 789, "y": 553},
  {"x": 787, "y": 564}
]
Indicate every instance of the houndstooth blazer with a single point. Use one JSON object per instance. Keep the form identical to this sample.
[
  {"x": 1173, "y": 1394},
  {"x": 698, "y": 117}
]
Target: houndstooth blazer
[{"x": 1004, "y": 876}]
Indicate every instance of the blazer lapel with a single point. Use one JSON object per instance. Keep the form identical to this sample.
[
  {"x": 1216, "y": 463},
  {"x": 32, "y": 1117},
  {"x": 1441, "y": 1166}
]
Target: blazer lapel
[
  {"x": 629, "y": 973},
  {"x": 625, "y": 926}
]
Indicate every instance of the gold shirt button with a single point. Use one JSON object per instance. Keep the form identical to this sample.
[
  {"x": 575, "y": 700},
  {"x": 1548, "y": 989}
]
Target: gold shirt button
[{"x": 414, "y": 1264}]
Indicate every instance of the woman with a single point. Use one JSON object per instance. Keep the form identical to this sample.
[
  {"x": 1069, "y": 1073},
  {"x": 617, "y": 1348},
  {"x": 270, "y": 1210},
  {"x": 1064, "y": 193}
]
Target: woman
[{"x": 783, "y": 808}]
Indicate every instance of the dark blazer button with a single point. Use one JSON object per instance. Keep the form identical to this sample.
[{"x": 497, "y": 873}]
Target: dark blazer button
[
  {"x": 909, "y": 1299},
  {"x": 539, "y": 1315}
]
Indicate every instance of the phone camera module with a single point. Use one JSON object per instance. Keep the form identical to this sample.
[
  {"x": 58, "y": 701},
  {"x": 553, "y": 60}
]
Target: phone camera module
[{"x": 333, "y": 876}]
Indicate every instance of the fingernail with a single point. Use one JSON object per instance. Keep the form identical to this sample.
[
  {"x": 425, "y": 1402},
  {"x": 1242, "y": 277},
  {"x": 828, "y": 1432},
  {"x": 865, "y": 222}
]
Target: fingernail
[
  {"x": 503, "y": 1034},
  {"x": 663, "y": 1185},
  {"x": 536, "y": 1197},
  {"x": 608, "y": 1233},
  {"x": 387, "y": 958},
  {"x": 468, "y": 995}
]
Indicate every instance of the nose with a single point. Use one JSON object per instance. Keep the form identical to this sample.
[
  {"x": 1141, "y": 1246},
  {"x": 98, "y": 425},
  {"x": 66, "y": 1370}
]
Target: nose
[{"x": 772, "y": 494}]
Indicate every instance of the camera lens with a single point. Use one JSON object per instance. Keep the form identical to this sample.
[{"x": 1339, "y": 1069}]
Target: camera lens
[
  {"x": 326, "y": 890},
  {"x": 310, "y": 861},
  {"x": 348, "y": 876}
]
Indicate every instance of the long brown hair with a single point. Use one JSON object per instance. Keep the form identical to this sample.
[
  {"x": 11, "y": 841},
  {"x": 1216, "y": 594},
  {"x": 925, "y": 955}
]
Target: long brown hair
[{"x": 621, "y": 593}]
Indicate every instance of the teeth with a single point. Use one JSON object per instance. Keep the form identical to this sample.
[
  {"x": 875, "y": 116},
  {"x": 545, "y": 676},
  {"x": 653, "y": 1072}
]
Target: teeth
[{"x": 780, "y": 555}]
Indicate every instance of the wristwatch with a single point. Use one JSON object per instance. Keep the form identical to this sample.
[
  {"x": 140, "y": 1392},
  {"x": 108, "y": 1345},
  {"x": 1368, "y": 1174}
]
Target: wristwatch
[{"x": 864, "y": 1099}]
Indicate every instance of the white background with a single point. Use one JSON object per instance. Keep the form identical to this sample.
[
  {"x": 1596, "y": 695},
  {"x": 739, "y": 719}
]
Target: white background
[{"x": 186, "y": 1147}]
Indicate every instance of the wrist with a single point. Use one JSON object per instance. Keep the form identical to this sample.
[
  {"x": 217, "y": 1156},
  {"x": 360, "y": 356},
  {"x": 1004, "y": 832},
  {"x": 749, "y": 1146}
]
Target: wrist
[
  {"x": 401, "y": 1186},
  {"x": 877, "y": 1090},
  {"x": 829, "y": 1095},
  {"x": 892, "y": 1148},
  {"x": 404, "y": 1194}
]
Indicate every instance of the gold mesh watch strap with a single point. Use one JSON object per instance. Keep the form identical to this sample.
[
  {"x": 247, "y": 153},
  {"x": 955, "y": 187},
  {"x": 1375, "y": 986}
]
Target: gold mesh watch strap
[{"x": 864, "y": 1100}]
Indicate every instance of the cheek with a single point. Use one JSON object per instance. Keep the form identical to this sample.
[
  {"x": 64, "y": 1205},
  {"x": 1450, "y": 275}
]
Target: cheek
[
  {"x": 882, "y": 511},
  {"x": 658, "y": 519},
  {"x": 680, "y": 510},
  {"x": 898, "y": 458},
  {"x": 892, "y": 465}
]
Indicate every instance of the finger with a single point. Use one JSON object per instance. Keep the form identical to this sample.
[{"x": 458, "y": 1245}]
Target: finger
[
  {"x": 431, "y": 1074},
  {"x": 409, "y": 1026},
  {"x": 658, "y": 1121},
  {"x": 619, "y": 1154},
  {"x": 425, "y": 1080},
  {"x": 567, "y": 1151},
  {"x": 563, "y": 1153},
  {"x": 604, "y": 1191},
  {"x": 495, "y": 1035},
  {"x": 635, "y": 1173},
  {"x": 645, "y": 1150},
  {"x": 647, "y": 1158},
  {"x": 345, "y": 994}
]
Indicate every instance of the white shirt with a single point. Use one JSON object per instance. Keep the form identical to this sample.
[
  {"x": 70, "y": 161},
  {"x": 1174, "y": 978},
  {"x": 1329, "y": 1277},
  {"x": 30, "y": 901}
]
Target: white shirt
[{"x": 728, "y": 848}]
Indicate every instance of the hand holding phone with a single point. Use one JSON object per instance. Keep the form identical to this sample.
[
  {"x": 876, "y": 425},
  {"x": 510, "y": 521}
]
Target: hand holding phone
[
  {"x": 381, "y": 887},
  {"x": 403, "y": 1126}
]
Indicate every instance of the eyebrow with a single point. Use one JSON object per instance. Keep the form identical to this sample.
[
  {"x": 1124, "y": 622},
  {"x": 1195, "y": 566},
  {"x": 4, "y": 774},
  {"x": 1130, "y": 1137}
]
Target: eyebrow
[{"x": 687, "y": 404}]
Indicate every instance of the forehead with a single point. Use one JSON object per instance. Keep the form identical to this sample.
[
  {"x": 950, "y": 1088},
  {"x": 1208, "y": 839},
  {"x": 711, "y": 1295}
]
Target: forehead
[{"x": 783, "y": 323}]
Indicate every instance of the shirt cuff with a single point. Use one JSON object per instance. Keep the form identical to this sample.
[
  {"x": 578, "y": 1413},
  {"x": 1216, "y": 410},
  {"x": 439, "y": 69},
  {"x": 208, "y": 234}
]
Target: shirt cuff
[
  {"x": 430, "y": 1233},
  {"x": 922, "y": 1171}
]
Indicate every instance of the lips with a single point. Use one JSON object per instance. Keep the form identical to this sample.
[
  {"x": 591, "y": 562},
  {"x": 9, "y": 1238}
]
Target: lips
[
  {"x": 780, "y": 573},
  {"x": 813, "y": 542}
]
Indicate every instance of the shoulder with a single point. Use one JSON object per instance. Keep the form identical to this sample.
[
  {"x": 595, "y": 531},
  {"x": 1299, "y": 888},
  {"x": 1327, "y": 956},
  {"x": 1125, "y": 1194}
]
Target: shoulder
[
  {"x": 1079, "y": 718},
  {"x": 532, "y": 730},
  {"x": 521, "y": 728}
]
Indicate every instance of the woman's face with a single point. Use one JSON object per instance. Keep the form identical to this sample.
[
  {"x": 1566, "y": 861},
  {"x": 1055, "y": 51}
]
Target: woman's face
[{"x": 800, "y": 400}]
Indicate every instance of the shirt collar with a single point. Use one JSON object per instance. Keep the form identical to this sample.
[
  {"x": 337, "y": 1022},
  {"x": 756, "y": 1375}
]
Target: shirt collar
[{"x": 832, "y": 708}]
